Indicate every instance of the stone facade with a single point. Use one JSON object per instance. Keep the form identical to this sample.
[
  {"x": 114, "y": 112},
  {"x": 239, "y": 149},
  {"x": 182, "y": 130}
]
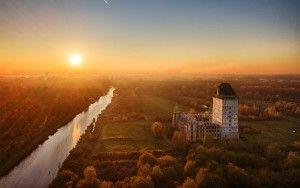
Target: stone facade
[{"x": 222, "y": 125}]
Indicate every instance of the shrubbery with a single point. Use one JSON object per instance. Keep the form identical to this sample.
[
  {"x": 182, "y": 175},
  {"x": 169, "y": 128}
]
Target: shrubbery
[
  {"x": 158, "y": 129},
  {"x": 179, "y": 140}
]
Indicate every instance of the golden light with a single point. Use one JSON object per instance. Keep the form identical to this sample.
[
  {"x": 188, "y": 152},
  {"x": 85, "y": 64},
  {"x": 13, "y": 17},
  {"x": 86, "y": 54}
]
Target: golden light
[{"x": 75, "y": 59}]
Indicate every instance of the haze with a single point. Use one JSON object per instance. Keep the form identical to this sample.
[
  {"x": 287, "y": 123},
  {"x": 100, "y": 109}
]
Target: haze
[{"x": 139, "y": 36}]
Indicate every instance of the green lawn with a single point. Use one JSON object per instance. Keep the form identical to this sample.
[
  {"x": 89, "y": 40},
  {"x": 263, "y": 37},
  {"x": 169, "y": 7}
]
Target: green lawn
[
  {"x": 154, "y": 106},
  {"x": 285, "y": 131},
  {"x": 128, "y": 136},
  {"x": 136, "y": 136}
]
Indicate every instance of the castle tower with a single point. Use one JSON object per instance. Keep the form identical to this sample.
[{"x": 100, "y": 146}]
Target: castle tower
[{"x": 225, "y": 111}]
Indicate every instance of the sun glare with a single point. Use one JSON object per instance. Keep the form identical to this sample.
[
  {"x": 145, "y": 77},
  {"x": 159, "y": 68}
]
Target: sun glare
[{"x": 75, "y": 59}]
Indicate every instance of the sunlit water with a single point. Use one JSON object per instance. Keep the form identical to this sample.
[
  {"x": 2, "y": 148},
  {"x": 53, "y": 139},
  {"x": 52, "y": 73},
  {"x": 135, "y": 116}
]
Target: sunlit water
[{"x": 42, "y": 165}]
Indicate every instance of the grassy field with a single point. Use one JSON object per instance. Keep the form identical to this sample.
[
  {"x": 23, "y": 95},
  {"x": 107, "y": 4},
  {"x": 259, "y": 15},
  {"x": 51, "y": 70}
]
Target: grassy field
[
  {"x": 285, "y": 131},
  {"x": 129, "y": 136},
  {"x": 154, "y": 106},
  {"x": 136, "y": 136}
]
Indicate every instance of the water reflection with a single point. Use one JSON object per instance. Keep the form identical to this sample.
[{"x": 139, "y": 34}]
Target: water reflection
[{"x": 41, "y": 167}]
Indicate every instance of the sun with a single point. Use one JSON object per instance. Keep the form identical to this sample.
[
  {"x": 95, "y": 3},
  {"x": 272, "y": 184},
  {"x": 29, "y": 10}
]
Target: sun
[{"x": 75, "y": 59}]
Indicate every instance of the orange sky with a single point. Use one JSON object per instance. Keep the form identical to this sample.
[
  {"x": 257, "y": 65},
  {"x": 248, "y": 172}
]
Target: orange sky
[{"x": 146, "y": 37}]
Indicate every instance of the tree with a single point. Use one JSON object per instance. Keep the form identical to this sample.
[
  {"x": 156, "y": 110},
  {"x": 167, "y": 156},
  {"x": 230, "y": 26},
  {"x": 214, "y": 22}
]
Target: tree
[
  {"x": 141, "y": 182},
  {"x": 201, "y": 175},
  {"x": 268, "y": 178},
  {"x": 189, "y": 183},
  {"x": 293, "y": 160},
  {"x": 107, "y": 184},
  {"x": 166, "y": 160},
  {"x": 207, "y": 179},
  {"x": 144, "y": 170},
  {"x": 90, "y": 178},
  {"x": 158, "y": 129},
  {"x": 189, "y": 168},
  {"x": 297, "y": 145},
  {"x": 238, "y": 177},
  {"x": 156, "y": 174},
  {"x": 179, "y": 140},
  {"x": 146, "y": 157}
]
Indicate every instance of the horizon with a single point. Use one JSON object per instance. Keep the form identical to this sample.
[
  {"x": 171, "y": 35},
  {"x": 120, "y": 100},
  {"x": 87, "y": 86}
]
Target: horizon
[{"x": 138, "y": 37}]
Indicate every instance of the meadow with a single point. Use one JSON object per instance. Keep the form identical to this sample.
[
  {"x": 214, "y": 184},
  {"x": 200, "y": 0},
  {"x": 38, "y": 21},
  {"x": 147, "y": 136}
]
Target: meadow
[
  {"x": 137, "y": 135},
  {"x": 128, "y": 137},
  {"x": 284, "y": 131},
  {"x": 159, "y": 107}
]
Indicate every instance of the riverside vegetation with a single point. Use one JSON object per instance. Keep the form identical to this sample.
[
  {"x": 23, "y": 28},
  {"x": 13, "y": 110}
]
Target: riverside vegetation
[
  {"x": 134, "y": 145},
  {"x": 31, "y": 109}
]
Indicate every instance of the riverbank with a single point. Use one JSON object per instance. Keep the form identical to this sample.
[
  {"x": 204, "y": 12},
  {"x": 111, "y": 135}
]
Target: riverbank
[
  {"x": 46, "y": 159},
  {"x": 35, "y": 109},
  {"x": 122, "y": 133}
]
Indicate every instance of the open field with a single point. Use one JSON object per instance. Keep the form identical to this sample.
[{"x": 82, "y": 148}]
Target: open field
[
  {"x": 284, "y": 132},
  {"x": 154, "y": 107},
  {"x": 129, "y": 136},
  {"x": 137, "y": 135}
]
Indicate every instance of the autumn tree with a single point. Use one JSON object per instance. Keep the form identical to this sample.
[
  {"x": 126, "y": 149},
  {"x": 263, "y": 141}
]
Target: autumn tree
[
  {"x": 142, "y": 182},
  {"x": 179, "y": 140},
  {"x": 146, "y": 157},
  {"x": 90, "y": 178},
  {"x": 189, "y": 183},
  {"x": 189, "y": 168},
  {"x": 293, "y": 160},
  {"x": 238, "y": 177},
  {"x": 166, "y": 160},
  {"x": 156, "y": 173},
  {"x": 144, "y": 170},
  {"x": 158, "y": 129}
]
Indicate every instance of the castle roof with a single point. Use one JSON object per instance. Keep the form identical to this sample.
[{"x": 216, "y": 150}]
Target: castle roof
[{"x": 225, "y": 90}]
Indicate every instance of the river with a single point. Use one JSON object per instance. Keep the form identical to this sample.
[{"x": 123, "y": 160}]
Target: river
[{"x": 42, "y": 165}]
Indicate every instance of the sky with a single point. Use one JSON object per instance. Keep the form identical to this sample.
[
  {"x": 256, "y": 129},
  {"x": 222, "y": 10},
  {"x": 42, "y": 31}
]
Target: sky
[{"x": 150, "y": 36}]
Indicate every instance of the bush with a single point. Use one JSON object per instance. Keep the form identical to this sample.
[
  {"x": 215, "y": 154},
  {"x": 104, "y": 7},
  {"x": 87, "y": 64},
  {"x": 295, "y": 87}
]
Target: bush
[
  {"x": 156, "y": 173},
  {"x": 207, "y": 179},
  {"x": 189, "y": 168},
  {"x": 90, "y": 178},
  {"x": 69, "y": 174},
  {"x": 146, "y": 157},
  {"x": 179, "y": 140},
  {"x": 158, "y": 129},
  {"x": 166, "y": 160},
  {"x": 293, "y": 160},
  {"x": 144, "y": 170},
  {"x": 107, "y": 184},
  {"x": 239, "y": 177},
  {"x": 140, "y": 182},
  {"x": 268, "y": 178},
  {"x": 290, "y": 178},
  {"x": 297, "y": 145},
  {"x": 201, "y": 175},
  {"x": 189, "y": 183}
]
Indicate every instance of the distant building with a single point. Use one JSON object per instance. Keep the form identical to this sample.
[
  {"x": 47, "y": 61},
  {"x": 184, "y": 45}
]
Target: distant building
[{"x": 222, "y": 124}]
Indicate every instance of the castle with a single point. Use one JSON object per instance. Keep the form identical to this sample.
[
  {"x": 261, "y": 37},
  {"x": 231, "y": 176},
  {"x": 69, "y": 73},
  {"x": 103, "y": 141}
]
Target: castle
[{"x": 222, "y": 124}]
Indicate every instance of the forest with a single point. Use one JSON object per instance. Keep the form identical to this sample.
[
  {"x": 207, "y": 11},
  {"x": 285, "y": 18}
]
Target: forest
[{"x": 31, "y": 109}]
